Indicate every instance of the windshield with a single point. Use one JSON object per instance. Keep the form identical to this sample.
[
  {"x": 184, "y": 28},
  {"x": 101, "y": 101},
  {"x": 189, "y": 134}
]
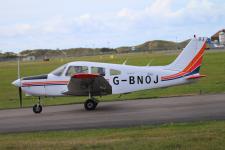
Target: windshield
[{"x": 59, "y": 71}]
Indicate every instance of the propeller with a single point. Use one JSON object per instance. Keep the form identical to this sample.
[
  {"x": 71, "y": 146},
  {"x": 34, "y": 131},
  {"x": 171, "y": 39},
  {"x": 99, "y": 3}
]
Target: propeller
[
  {"x": 20, "y": 89},
  {"x": 21, "y": 98}
]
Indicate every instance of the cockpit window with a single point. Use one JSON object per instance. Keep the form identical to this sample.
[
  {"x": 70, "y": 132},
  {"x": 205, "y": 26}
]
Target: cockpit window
[
  {"x": 59, "y": 71},
  {"x": 114, "y": 72},
  {"x": 98, "y": 70},
  {"x": 76, "y": 69}
]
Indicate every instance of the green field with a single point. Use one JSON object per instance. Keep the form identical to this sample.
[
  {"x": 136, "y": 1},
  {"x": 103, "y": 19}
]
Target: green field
[
  {"x": 213, "y": 67},
  {"x": 181, "y": 136}
]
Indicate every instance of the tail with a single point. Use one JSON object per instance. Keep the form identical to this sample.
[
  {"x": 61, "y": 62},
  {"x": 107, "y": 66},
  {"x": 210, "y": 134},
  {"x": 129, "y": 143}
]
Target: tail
[{"x": 189, "y": 61}]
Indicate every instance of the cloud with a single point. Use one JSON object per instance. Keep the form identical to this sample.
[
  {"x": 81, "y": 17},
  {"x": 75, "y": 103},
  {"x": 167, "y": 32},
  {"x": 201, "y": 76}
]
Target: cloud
[
  {"x": 126, "y": 26},
  {"x": 15, "y": 30},
  {"x": 128, "y": 13},
  {"x": 56, "y": 24},
  {"x": 160, "y": 8}
]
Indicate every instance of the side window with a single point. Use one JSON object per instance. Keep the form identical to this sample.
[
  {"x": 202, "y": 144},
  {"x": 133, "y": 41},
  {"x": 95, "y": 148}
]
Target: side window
[
  {"x": 98, "y": 70},
  {"x": 114, "y": 72},
  {"x": 76, "y": 69}
]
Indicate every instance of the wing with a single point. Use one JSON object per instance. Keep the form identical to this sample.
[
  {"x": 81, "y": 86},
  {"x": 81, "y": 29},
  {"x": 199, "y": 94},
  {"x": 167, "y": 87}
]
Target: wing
[{"x": 83, "y": 84}]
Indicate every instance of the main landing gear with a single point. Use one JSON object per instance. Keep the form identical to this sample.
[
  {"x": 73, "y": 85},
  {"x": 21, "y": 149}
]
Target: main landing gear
[
  {"x": 91, "y": 104},
  {"x": 37, "y": 108}
]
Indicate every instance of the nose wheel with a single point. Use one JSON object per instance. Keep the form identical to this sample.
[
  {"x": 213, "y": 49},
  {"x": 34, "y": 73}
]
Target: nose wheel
[
  {"x": 37, "y": 109},
  {"x": 90, "y": 104}
]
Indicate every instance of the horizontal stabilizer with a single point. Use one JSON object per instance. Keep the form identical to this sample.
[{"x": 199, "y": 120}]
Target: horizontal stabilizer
[{"x": 196, "y": 77}]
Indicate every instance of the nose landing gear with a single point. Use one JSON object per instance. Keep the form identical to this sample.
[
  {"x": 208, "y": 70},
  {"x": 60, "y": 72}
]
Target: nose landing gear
[{"x": 37, "y": 108}]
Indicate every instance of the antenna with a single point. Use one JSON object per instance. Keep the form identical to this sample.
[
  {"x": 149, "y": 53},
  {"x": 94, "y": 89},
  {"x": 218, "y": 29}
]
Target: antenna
[
  {"x": 18, "y": 67},
  {"x": 149, "y": 63},
  {"x": 125, "y": 62}
]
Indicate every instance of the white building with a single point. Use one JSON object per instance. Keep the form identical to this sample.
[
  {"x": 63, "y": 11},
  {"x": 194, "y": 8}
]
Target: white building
[{"x": 29, "y": 58}]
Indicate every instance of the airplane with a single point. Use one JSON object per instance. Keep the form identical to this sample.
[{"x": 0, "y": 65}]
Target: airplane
[{"x": 82, "y": 78}]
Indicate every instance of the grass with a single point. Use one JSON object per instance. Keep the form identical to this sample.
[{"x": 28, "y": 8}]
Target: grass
[
  {"x": 213, "y": 67},
  {"x": 180, "y": 136}
]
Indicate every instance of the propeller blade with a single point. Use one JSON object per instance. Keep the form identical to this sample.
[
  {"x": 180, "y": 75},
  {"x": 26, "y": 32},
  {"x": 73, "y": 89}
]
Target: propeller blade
[
  {"x": 21, "y": 98},
  {"x": 20, "y": 89}
]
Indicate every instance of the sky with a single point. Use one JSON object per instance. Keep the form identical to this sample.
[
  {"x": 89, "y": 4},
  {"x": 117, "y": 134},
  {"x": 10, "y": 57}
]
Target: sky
[{"x": 57, "y": 24}]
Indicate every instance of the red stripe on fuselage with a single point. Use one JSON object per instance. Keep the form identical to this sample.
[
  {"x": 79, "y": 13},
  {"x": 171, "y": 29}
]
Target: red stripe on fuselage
[{"x": 45, "y": 83}]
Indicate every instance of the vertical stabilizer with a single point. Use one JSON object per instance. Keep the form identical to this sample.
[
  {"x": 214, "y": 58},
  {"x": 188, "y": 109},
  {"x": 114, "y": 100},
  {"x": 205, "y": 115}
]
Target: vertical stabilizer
[{"x": 190, "y": 57}]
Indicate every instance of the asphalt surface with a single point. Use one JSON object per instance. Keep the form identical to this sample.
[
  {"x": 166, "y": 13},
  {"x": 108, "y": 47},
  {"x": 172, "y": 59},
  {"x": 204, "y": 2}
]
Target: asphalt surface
[{"x": 115, "y": 114}]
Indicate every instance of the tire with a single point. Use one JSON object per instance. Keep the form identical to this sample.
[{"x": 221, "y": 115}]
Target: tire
[
  {"x": 90, "y": 104},
  {"x": 37, "y": 109}
]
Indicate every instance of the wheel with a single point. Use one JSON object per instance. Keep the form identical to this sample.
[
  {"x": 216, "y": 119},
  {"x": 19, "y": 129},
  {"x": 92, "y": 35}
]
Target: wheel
[
  {"x": 90, "y": 104},
  {"x": 37, "y": 109}
]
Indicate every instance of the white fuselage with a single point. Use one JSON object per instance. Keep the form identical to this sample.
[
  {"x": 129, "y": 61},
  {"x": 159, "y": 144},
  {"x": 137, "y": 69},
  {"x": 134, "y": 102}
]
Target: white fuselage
[{"x": 122, "y": 78}]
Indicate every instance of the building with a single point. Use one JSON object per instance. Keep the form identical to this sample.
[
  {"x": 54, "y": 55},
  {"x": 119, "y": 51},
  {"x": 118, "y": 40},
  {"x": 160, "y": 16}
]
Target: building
[
  {"x": 216, "y": 37},
  {"x": 28, "y": 58},
  {"x": 222, "y": 38}
]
